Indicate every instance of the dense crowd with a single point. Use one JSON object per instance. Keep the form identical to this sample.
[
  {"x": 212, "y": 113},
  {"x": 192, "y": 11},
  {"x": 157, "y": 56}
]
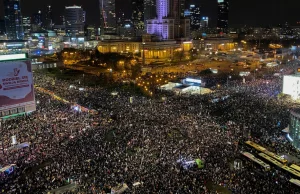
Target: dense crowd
[{"x": 141, "y": 140}]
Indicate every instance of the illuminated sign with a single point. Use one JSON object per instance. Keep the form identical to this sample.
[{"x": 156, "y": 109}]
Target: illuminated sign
[
  {"x": 220, "y": 1},
  {"x": 13, "y": 57},
  {"x": 193, "y": 80}
]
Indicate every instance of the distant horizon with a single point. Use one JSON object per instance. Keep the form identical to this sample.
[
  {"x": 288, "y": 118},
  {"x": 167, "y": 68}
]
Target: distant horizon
[{"x": 255, "y": 13}]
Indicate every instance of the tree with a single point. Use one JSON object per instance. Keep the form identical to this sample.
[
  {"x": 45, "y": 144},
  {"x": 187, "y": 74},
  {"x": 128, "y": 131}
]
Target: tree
[
  {"x": 136, "y": 70},
  {"x": 178, "y": 55},
  {"x": 206, "y": 72}
]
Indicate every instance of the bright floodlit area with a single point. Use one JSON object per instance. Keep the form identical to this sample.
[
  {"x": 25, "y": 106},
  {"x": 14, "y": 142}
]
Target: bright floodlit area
[{"x": 149, "y": 97}]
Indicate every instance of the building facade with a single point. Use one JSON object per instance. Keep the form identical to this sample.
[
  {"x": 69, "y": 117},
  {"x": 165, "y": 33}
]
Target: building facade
[
  {"x": 13, "y": 19},
  {"x": 294, "y": 128},
  {"x": 108, "y": 17},
  {"x": 74, "y": 19},
  {"x": 223, "y": 15},
  {"x": 154, "y": 51}
]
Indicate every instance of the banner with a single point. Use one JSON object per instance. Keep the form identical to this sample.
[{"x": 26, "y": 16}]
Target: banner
[
  {"x": 16, "y": 85},
  {"x": 13, "y": 140},
  {"x": 119, "y": 189}
]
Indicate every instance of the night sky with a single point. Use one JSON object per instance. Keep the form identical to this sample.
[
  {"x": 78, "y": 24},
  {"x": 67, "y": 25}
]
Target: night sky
[{"x": 253, "y": 12}]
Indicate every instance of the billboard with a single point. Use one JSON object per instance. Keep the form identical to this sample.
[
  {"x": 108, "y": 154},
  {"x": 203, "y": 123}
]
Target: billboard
[
  {"x": 291, "y": 85},
  {"x": 16, "y": 87}
]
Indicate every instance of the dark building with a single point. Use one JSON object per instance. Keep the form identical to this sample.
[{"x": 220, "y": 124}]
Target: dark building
[
  {"x": 90, "y": 32},
  {"x": 223, "y": 15},
  {"x": 149, "y": 10},
  {"x": 2, "y": 27},
  {"x": 177, "y": 8},
  {"x": 195, "y": 17},
  {"x": 26, "y": 25},
  {"x": 121, "y": 17},
  {"x": 37, "y": 18},
  {"x": 138, "y": 15},
  {"x": 13, "y": 19},
  {"x": 48, "y": 21},
  {"x": 108, "y": 17}
]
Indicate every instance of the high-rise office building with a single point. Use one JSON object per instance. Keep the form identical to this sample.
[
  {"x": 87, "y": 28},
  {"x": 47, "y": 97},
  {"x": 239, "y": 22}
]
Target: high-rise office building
[
  {"x": 37, "y": 21},
  {"x": 182, "y": 7},
  {"x": 223, "y": 15},
  {"x": 195, "y": 17},
  {"x": 13, "y": 19},
  {"x": 26, "y": 25},
  {"x": 108, "y": 16},
  {"x": 74, "y": 20},
  {"x": 137, "y": 16},
  {"x": 90, "y": 32},
  {"x": 48, "y": 17}
]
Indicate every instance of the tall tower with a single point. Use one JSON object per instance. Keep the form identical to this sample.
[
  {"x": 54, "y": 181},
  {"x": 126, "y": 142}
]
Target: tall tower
[
  {"x": 13, "y": 19},
  {"x": 162, "y": 9},
  {"x": 48, "y": 17},
  {"x": 168, "y": 22},
  {"x": 223, "y": 15},
  {"x": 177, "y": 8},
  {"x": 108, "y": 16}
]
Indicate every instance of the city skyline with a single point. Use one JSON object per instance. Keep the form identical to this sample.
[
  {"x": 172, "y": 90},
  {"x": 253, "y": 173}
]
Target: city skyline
[{"x": 254, "y": 13}]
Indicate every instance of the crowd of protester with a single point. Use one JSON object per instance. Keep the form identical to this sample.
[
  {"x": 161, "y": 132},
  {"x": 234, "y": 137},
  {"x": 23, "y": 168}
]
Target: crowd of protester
[{"x": 140, "y": 140}]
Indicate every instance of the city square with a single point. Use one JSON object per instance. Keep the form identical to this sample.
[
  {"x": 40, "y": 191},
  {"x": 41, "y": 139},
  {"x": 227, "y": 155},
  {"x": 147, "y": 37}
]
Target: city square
[{"x": 164, "y": 97}]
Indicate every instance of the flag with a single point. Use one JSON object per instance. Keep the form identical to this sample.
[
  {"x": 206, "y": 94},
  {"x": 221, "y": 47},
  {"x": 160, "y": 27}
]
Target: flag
[{"x": 199, "y": 163}]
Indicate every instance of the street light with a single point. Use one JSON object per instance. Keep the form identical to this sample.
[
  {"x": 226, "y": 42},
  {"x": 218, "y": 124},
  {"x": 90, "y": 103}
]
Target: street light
[
  {"x": 255, "y": 74},
  {"x": 229, "y": 77}
]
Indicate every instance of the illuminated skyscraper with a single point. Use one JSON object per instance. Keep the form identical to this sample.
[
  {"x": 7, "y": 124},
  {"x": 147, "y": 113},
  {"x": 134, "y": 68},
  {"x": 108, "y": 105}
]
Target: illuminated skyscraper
[
  {"x": 108, "y": 16},
  {"x": 223, "y": 12},
  {"x": 168, "y": 23},
  {"x": 13, "y": 19},
  {"x": 162, "y": 25}
]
